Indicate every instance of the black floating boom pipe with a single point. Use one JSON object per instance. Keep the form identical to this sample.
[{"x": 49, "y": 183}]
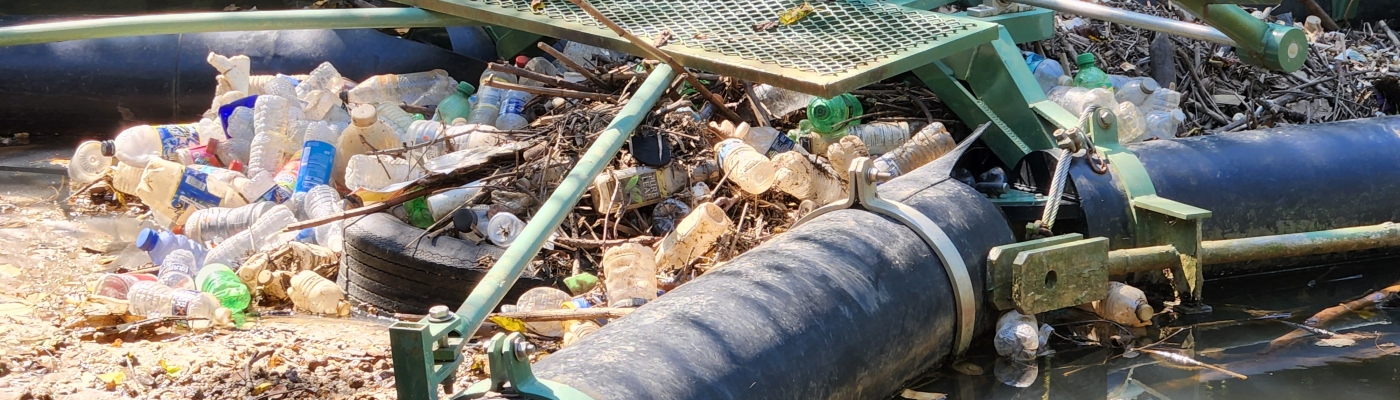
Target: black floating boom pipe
[{"x": 849, "y": 305}]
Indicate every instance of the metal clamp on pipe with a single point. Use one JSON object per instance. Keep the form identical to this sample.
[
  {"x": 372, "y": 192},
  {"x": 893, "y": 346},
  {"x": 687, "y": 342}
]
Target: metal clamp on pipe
[{"x": 863, "y": 193}]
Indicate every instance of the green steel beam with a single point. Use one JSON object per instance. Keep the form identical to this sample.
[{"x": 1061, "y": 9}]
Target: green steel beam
[
  {"x": 1024, "y": 27},
  {"x": 165, "y": 24},
  {"x": 511, "y": 42},
  {"x": 1272, "y": 46}
]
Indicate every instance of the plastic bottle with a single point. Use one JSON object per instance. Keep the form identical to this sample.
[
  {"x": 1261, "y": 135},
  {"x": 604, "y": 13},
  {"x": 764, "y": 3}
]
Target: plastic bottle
[
  {"x": 488, "y": 98},
  {"x": 236, "y": 248},
  {"x": 843, "y": 153},
  {"x": 828, "y": 116},
  {"x": 765, "y": 140},
  {"x": 666, "y": 214},
  {"x": 781, "y": 102},
  {"x": 1156, "y": 124},
  {"x": 585, "y": 54},
  {"x": 642, "y": 185},
  {"x": 428, "y": 134},
  {"x": 693, "y": 237},
  {"x": 90, "y": 162},
  {"x": 443, "y": 203},
  {"x": 1089, "y": 75},
  {"x": 240, "y": 137},
  {"x": 164, "y": 187},
  {"x": 159, "y": 244},
  {"x": 1134, "y": 90},
  {"x": 178, "y": 269},
  {"x": 118, "y": 285},
  {"x": 543, "y": 298},
  {"x": 1125, "y": 305},
  {"x": 374, "y": 172},
  {"x": 1131, "y": 125},
  {"x": 503, "y": 228},
  {"x": 220, "y": 281},
  {"x": 286, "y": 177},
  {"x": 471, "y": 136},
  {"x": 753, "y": 172},
  {"x": 927, "y": 145},
  {"x": 419, "y": 88},
  {"x": 272, "y": 123},
  {"x": 1077, "y": 99},
  {"x": 137, "y": 145},
  {"x": 152, "y": 299},
  {"x": 322, "y": 201},
  {"x": 881, "y": 137},
  {"x": 324, "y": 77},
  {"x": 1163, "y": 100},
  {"x": 365, "y": 129},
  {"x": 513, "y": 102},
  {"x": 575, "y": 330},
  {"x": 283, "y": 86},
  {"x": 456, "y": 105},
  {"x": 393, "y": 114},
  {"x": 1018, "y": 338},
  {"x": 1047, "y": 71},
  {"x": 317, "y": 156},
  {"x": 629, "y": 271},
  {"x": 314, "y": 293},
  {"x": 218, "y": 223},
  {"x": 125, "y": 178},
  {"x": 800, "y": 178}
]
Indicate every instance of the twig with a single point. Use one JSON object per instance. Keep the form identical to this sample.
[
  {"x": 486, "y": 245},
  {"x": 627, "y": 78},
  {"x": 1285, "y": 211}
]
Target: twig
[
  {"x": 598, "y": 244},
  {"x": 657, "y": 53},
  {"x": 544, "y": 91},
  {"x": 532, "y": 75},
  {"x": 568, "y": 62},
  {"x": 759, "y": 110},
  {"x": 567, "y": 314}
]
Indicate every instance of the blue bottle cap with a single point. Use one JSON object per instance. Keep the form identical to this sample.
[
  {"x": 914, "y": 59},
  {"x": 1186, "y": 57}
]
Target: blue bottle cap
[{"x": 147, "y": 239}]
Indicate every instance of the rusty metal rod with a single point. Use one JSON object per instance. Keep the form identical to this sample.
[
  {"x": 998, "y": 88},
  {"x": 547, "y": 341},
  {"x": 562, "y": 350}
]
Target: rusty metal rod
[{"x": 1259, "y": 248}]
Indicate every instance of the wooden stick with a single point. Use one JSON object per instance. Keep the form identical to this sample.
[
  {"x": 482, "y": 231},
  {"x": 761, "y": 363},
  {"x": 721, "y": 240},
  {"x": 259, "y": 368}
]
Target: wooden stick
[
  {"x": 1390, "y": 34},
  {"x": 528, "y": 74},
  {"x": 572, "y": 65},
  {"x": 543, "y": 91},
  {"x": 759, "y": 111},
  {"x": 594, "y": 244},
  {"x": 660, "y": 55},
  {"x": 1368, "y": 301},
  {"x": 566, "y": 314},
  {"x": 366, "y": 210}
]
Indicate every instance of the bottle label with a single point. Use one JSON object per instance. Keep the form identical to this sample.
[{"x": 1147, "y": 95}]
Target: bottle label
[
  {"x": 181, "y": 301},
  {"x": 277, "y": 194},
  {"x": 175, "y": 137},
  {"x": 512, "y": 105},
  {"x": 316, "y": 160},
  {"x": 643, "y": 188},
  {"x": 781, "y": 144},
  {"x": 194, "y": 191}
]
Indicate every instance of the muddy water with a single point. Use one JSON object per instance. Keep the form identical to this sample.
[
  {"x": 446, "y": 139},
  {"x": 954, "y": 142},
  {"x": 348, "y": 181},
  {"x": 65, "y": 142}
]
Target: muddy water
[{"x": 1229, "y": 338}]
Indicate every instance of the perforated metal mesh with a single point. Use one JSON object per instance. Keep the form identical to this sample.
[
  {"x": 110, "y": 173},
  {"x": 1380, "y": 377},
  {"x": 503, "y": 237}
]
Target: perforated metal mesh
[{"x": 839, "y": 36}]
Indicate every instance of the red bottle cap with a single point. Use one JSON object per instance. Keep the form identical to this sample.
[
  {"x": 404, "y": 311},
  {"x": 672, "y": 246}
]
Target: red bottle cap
[{"x": 521, "y": 60}]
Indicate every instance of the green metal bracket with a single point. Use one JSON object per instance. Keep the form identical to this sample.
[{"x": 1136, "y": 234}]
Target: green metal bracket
[
  {"x": 1246, "y": 2},
  {"x": 509, "y": 360},
  {"x": 1161, "y": 221},
  {"x": 427, "y": 352},
  {"x": 1024, "y": 27},
  {"x": 1001, "y": 266},
  {"x": 1060, "y": 275}
]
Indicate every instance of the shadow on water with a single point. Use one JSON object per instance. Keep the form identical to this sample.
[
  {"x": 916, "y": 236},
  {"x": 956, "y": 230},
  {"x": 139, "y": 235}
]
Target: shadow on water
[{"x": 1230, "y": 338}]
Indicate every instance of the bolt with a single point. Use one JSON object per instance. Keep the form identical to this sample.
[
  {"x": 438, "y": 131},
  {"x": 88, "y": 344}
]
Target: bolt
[
  {"x": 440, "y": 314},
  {"x": 523, "y": 349},
  {"x": 1105, "y": 118}
]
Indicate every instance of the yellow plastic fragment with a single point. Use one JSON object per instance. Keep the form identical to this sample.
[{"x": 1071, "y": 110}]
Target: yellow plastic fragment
[{"x": 790, "y": 17}]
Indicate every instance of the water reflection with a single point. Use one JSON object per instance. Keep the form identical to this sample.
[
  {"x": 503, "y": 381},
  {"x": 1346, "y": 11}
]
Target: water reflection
[{"x": 1241, "y": 336}]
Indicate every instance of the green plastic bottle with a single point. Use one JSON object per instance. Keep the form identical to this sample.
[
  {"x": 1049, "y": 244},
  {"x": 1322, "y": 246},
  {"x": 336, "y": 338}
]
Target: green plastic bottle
[
  {"x": 456, "y": 105},
  {"x": 1090, "y": 76},
  {"x": 828, "y": 116},
  {"x": 220, "y": 280}
]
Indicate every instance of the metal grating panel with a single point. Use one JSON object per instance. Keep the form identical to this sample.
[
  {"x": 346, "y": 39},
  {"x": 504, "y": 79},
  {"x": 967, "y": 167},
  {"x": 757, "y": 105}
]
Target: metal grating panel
[{"x": 841, "y": 45}]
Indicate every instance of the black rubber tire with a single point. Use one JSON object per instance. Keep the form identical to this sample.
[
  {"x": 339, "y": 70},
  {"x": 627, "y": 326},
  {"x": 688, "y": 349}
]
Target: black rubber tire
[{"x": 381, "y": 268}]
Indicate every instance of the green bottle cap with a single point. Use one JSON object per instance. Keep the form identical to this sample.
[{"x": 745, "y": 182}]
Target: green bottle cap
[
  {"x": 581, "y": 283},
  {"x": 465, "y": 88},
  {"x": 1085, "y": 58}
]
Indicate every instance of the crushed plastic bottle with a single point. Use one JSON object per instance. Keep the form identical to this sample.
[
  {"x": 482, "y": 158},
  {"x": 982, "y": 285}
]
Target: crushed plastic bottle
[
  {"x": 172, "y": 190},
  {"x": 117, "y": 286},
  {"x": 1018, "y": 338},
  {"x": 90, "y": 162},
  {"x": 1125, "y": 305},
  {"x": 1089, "y": 75},
  {"x": 928, "y": 144},
  {"x": 456, "y": 105},
  {"x": 629, "y": 272},
  {"x": 1135, "y": 90},
  {"x": 753, "y": 172},
  {"x": 138, "y": 145},
  {"x": 235, "y": 249},
  {"x": 152, "y": 299},
  {"x": 240, "y": 137},
  {"x": 217, "y": 223},
  {"x": 780, "y": 102},
  {"x": 1047, "y": 71},
  {"x": 844, "y": 152},
  {"x": 692, "y": 238},
  {"x": 323, "y": 201},
  {"x": 1077, "y": 99},
  {"x": 396, "y": 116},
  {"x": 1131, "y": 125},
  {"x": 314, "y": 293},
  {"x": 802, "y": 179},
  {"x": 366, "y": 134},
  {"x": 374, "y": 172},
  {"x": 419, "y": 88},
  {"x": 543, "y": 298},
  {"x": 881, "y": 137}
]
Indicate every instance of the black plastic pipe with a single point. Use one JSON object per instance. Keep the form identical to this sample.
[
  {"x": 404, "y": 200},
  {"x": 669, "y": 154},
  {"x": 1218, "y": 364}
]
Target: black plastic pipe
[{"x": 850, "y": 305}]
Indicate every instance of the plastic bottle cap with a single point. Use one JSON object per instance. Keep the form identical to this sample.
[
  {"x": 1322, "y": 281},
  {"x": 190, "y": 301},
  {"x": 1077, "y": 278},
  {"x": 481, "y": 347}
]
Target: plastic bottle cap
[
  {"x": 147, "y": 240},
  {"x": 363, "y": 115},
  {"x": 236, "y": 166},
  {"x": 1149, "y": 86},
  {"x": 521, "y": 60},
  {"x": 464, "y": 220},
  {"x": 223, "y": 317},
  {"x": 1084, "y": 58},
  {"x": 178, "y": 229},
  {"x": 465, "y": 88},
  {"x": 109, "y": 148}
]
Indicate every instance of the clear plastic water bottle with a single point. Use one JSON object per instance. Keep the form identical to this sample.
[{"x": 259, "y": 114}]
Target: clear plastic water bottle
[
  {"x": 272, "y": 123},
  {"x": 313, "y": 292},
  {"x": 693, "y": 237},
  {"x": 753, "y": 172},
  {"x": 393, "y": 114},
  {"x": 1134, "y": 90},
  {"x": 158, "y": 244},
  {"x": 1163, "y": 100},
  {"x": 513, "y": 103},
  {"x": 781, "y": 102},
  {"x": 322, "y": 201},
  {"x": 1157, "y": 124},
  {"x": 240, "y": 137},
  {"x": 420, "y": 132},
  {"x": 503, "y": 228},
  {"x": 374, "y": 172},
  {"x": 90, "y": 162},
  {"x": 881, "y": 137},
  {"x": 800, "y": 178},
  {"x": 1047, "y": 71},
  {"x": 152, "y": 299},
  {"x": 1077, "y": 99},
  {"x": 178, "y": 269},
  {"x": 240, "y": 246},
  {"x": 456, "y": 105},
  {"x": 136, "y": 146},
  {"x": 118, "y": 285},
  {"x": 285, "y": 87},
  {"x": 927, "y": 145},
  {"x": 419, "y": 88},
  {"x": 216, "y": 224},
  {"x": 488, "y": 98},
  {"x": 1131, "y": 125},
  {"x": 543, "y": 298},
  {"x": 317, "y": 156},
  {"x": 220, "y": 281},
  {"x": 324, "y": 77},
  {"x": 630, "y": 271}
]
